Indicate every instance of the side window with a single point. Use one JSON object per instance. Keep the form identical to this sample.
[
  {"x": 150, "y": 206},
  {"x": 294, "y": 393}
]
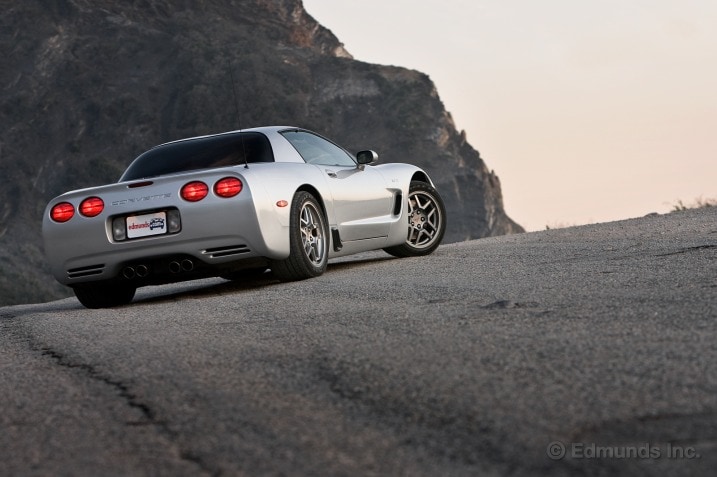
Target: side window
[{"x": 317, "y": 150}]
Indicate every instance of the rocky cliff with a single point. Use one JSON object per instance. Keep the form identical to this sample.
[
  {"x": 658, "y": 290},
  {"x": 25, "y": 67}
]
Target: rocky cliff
[{"x": 85, "y": 86}]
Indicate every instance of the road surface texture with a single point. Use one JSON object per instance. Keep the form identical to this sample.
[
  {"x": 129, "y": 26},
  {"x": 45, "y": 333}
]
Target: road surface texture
[{"x": 580, "y": 351}]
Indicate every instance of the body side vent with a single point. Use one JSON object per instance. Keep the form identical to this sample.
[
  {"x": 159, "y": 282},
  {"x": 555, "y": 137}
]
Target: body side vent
[
  {"x": 226, "y": 251},
  {"x": 86, "y": 271}
]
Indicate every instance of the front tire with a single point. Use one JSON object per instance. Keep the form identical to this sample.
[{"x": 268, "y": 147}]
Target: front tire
[
  {"x": 308, "y": 241},
  {"x": 104, "y": 295},
  {"x": 426, "y": 222}
]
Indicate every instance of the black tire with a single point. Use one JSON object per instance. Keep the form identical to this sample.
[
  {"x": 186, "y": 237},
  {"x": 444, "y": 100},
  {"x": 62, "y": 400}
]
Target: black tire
[
  {"x": 426, "y": 222},
  {"x": 308, "y": 240},
  {"x": 104, "y": 295}
]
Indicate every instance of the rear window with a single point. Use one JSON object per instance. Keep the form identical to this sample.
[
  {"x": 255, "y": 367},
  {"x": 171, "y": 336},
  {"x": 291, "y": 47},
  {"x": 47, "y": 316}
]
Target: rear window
[{"x": 203, "y": 153}]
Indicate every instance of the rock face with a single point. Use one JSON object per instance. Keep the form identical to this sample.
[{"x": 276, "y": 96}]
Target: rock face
[{"x": 86, "y": 86}]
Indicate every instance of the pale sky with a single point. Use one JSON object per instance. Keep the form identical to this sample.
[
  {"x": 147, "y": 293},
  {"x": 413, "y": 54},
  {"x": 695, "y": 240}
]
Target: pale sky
[{"x": 588, "y": 110}]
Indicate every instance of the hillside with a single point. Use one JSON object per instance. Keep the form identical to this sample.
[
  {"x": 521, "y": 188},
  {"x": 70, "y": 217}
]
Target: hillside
[{"x": 87, "y": 86}]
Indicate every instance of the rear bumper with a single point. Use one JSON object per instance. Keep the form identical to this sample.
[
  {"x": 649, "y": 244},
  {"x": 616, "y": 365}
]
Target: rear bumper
[{"x": 161, "y": 262}]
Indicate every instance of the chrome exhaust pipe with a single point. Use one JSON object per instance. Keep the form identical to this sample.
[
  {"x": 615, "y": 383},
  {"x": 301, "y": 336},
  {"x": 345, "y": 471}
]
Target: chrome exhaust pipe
[
  {"x": 142, "y": 271},
  {"x": 187, "y": 265},
  {"x": 128, "y": 273},
  {"x": 175, "y": 267}
]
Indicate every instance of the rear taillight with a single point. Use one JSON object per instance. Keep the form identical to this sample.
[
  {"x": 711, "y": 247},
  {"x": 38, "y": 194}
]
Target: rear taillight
[
  {"x": 62, "y": 212},
  {"x": 194, "y": 191},
  {"x": 228, "y": 187},
  {"x": 92, "y": 207}
]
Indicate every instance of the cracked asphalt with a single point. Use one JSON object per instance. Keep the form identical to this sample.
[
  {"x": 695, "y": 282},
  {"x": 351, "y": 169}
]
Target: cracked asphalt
[{"x": 580, "y": 351}]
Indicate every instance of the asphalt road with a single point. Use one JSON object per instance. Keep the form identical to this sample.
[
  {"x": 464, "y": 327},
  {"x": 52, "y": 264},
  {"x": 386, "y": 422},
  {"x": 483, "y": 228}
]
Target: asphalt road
[{"x": 580, "y": 351}]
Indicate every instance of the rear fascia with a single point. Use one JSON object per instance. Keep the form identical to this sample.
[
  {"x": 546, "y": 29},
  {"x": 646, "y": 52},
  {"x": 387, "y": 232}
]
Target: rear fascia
[{"x": 83, "y": 248}]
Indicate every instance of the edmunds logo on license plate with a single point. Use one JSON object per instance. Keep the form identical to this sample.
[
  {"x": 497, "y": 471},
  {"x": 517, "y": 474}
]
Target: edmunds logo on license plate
[{"x": 144, "y": 225}]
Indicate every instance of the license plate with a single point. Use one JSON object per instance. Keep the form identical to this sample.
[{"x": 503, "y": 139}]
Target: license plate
[{"x": 145, "y": 225}]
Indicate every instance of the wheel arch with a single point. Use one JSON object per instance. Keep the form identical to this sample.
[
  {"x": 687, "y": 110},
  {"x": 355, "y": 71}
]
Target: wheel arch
[
  {"x": 421, "y": 176},
  {"x": 317, "y": 195}
]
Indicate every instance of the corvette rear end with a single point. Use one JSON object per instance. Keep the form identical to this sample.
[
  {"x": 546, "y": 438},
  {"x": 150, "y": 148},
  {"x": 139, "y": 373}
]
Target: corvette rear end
[{"x": 153, "y": 231}]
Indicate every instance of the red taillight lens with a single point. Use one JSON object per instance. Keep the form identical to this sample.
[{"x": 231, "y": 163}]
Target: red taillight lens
[
  {"x": 228, "y": 187},
  {"x": 62, "y": 212},
  {"x": 92, "y": 207},
  {"x": 194, "y": 191}
]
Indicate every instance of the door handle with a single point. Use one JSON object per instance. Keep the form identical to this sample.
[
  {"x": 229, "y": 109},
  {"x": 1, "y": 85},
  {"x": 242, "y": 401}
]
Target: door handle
[{"x": 331, "y": 174}]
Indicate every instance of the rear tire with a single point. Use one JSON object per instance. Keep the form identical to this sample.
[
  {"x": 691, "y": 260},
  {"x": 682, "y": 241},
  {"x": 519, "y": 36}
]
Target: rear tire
[
  {"x": 104, "y": 295},
  {"x": 426, "y": 222},
  {"x": 308, "y": 241}
]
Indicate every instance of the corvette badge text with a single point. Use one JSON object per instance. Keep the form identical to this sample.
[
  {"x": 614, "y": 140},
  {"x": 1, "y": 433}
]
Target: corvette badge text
[
  {"x": 557, "y": 450},
  {"x": 142, "y": 199}
]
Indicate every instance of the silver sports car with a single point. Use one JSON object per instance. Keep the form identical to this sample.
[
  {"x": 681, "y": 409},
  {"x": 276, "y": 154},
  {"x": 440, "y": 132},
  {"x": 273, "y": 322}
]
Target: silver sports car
[{"x": 282, "y": 198}]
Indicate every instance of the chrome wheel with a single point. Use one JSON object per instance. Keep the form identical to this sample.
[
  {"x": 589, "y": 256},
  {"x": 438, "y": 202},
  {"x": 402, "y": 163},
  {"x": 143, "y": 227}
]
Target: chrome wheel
[
  {"x": 309, "y": 241},
  {"x": 426, "y": 222},
  {"x": 424, "y": 219},
  {"x": 313, "y": 237}
]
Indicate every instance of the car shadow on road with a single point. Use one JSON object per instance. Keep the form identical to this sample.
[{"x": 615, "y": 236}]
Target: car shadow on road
[{"x": 239, "y": 283}]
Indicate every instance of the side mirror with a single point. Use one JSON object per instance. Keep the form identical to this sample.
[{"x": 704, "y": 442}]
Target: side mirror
[{"x": 366, "y": 157}]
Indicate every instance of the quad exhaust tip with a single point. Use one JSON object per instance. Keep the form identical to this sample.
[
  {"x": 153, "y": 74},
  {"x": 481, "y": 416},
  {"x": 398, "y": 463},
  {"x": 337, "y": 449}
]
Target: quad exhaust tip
[
  {"x": 129, "y": 273},
  {"x": 140, "y": 271},
  {"x": 185, "y": 265}
]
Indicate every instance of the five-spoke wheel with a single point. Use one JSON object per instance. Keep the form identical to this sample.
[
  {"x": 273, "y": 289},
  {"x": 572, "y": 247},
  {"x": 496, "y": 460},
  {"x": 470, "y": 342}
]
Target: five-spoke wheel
[
  {"x": 313, "y": 236},
  {"x": 309, "y": 241},
  {"x": 426, "y": 222}
]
